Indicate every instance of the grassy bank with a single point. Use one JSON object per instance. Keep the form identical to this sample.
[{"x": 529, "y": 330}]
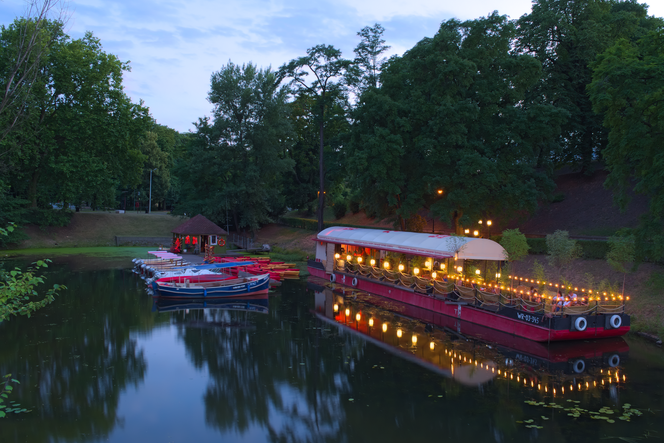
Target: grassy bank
[{"x": 89, "y": 229}]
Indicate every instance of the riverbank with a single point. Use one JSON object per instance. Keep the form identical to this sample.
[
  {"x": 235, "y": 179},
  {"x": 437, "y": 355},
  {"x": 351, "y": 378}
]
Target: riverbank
[{"x": 92, "y": 229}]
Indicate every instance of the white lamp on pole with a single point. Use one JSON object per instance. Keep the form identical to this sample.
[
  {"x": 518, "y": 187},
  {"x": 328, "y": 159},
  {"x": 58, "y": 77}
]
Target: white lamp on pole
[{"x": 150, "y": 202}]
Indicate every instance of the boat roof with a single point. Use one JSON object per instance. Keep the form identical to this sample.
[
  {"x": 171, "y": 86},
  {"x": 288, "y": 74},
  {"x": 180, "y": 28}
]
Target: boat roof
[{"x": 416, "y": 243}]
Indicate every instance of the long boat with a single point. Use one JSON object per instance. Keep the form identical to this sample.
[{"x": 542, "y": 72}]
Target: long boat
[
  {"x": 207, "y": 287},
  {"x": 363, "y": 259}
]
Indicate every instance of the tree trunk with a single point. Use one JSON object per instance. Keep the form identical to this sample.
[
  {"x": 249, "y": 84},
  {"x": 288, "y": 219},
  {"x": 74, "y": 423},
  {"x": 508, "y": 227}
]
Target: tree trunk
[
  {"x": 457, "y": 226},
  {"x": 32, "y": 189},
  {"x": 321, "y": 170}
]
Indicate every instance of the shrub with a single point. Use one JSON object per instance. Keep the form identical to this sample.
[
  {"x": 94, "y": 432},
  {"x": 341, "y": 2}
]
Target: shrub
[
  {"x": 340, "y": 209},
  {"x": 563, "y": 251},
  {"x": 416, "y": 223},
  {"x": 537, "y": 246},
  {"x": 354, "y": 206},
  {"x": 48, "y": 217}
]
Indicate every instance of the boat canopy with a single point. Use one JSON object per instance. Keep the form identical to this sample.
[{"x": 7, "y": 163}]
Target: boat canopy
[{"x": 416, "y": 243}]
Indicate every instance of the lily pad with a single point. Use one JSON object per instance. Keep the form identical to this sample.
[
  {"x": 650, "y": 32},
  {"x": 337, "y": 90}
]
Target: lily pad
[{"x": 610, "y": 421}]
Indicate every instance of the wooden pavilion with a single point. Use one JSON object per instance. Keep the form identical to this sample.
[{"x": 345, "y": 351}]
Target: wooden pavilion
[{"x": 196, "y": 233}]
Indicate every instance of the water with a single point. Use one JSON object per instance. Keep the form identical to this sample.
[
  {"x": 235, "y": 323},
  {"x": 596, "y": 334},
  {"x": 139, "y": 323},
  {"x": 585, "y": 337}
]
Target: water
[{"x": 103, "y": 364}]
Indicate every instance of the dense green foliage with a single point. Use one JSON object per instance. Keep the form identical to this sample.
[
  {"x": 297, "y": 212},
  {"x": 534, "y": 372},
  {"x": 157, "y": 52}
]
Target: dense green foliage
[
  {"x": 18, "y": 288},
  {"x": 236, "y": 161},
  {"x": 469, "y": 123},
  {"x": 628, "y": 88},
  {"x": 451, "y": 114}
]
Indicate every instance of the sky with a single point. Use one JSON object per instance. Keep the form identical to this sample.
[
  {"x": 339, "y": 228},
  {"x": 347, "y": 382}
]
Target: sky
[{"x": 175, "y": 46}]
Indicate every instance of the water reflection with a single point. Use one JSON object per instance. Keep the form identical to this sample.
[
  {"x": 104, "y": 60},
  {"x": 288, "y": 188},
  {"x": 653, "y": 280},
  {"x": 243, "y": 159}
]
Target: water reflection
[
  {"x": 470, "y": 354},
  {"x": 75, "y": 358},
  {"x": 262, "y": 371}
]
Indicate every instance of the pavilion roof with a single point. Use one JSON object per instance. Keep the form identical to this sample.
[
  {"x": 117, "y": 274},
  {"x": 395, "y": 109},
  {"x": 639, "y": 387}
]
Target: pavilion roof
[
  {"x": 415, "y": 243},
  {"x": 199, "y": 225}
]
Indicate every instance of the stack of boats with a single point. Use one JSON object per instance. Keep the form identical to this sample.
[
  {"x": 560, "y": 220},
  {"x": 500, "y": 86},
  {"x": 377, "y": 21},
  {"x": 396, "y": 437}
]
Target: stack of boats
[
  {"x": 278, "y": 271},
  {"x": 168, "y": 275}
]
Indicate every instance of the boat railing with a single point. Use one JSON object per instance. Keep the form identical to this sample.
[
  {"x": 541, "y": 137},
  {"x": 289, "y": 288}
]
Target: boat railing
[{"x": 476, "y": 296}]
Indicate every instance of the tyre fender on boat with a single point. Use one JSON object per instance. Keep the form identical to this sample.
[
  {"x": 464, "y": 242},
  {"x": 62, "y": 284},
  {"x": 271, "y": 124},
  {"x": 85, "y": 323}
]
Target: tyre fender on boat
[
  {"x": 614, "y": 360},
  {"x": 579, "y": 366},
  {"x": 615, "y": 321},
  {"x": 354, "y": 282},
  {"x": 580, "y": 324},
  {"x": 333, "y": 278}
]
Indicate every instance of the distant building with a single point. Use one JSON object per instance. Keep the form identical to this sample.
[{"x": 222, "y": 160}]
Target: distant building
[{"x": 197, "y": 232}]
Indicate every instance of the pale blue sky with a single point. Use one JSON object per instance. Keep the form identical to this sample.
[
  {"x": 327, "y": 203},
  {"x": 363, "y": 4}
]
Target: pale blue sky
[{"x": 175, "y": 46}]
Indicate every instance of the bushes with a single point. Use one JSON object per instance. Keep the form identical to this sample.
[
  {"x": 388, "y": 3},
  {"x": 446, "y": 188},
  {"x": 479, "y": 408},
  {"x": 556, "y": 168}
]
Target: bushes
[
  {"x": 340, "y": 209},
  {"x": 48, "y": 217},
  {"x": 310, "y": 224},
  {"x": 537, "y": 246}
]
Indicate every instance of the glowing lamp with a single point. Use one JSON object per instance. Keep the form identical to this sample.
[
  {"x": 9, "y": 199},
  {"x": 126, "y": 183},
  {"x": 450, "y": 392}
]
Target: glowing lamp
[
  {"x": 336, "y": 307},
  {"x": 359, "y": 259},
  {"x": 627, "y": 298},
  {"x": 442, "y": 266},
  {"x": 488, "y": 222},
  {"x": 476, "y": 233},
  {"x": 414, "y": 339},
  {"x": 384, "y": 327},
  {"x": 347, "y": 312},
  {"x": 467, "y": 231},
  {"x": 348, "y": 257},
  {"x": 337, "y": 255},
  {"x": 477, "y": 271},
  {"x": 440, "y": 191},
  {"x": 434, "y": 274},
  {"x": 431, "y": 346},
  {"x": 480, "y": 222},
  {"x": 358, "y": 317},
  {"x": 371, "y": 322},
  {"x": 497, "y": 274},
  {"x": 401, "y": 267},
  {"x": 386, "y": 265},
  {"x": 427, "y": 264},
  {"x": 399, "y": 333},
  {"x": 373, "y": 262},
  {"x": 416, "y": 271},
  {"x": 459, "y": 269}
]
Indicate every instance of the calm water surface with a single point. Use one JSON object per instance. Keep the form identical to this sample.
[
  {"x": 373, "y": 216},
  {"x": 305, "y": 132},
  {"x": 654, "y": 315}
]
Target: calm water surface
[{"x": 104, "y": 363}]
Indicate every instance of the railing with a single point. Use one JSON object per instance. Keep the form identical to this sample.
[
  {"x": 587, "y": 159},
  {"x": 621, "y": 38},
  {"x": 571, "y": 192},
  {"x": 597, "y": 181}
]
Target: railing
[
  {"x": 474, "y": 296},
  {"x": 241, "y": 241}
]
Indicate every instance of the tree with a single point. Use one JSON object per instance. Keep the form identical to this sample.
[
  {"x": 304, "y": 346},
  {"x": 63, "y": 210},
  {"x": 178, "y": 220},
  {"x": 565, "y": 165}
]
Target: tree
[
  {"x": 628, "y": 88},
  {"x": 621, "y": 254},
  {"x": 566, "y": 36},
  {"x": 20, "y": 61},
  {"x": 451, "y": 114},
  {"x": 563, "y": 251},
  {"x": 81, "y": 133},
  {"x": 368, "y": 53},
  {"x": 236, "y": 163},
  {"x": 18, "y": 293},
  {"x": 515, "y": 245},
  {"x": 324, "y": 62}
]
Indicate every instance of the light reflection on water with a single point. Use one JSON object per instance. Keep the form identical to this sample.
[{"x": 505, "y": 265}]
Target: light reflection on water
[{"x": 104, "y": 363}]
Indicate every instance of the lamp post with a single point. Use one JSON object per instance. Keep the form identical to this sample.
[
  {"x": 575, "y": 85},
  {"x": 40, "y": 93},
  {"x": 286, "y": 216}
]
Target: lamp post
[
  {"x": 150, "y": 201},
  {"x": 433, "y": 219}
]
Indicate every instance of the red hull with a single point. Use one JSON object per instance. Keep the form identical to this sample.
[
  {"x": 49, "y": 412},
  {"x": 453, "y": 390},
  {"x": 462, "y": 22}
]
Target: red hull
[{"x": 469, "y": 313}]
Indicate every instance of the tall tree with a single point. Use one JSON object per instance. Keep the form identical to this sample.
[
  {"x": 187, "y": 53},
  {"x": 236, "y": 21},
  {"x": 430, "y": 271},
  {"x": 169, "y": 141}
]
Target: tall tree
[
  {"x": 368, "y": 55},
  {"x": 236, "y": 162},
  {"x": 81, "y": 136},
  {"x": 324, "y": 62},
  {"x": 21, "y": 57},
  {"x": 451, "y": 114},
  {"x": 628, "y": 88},
  {"x": 566, "y": 36}
]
